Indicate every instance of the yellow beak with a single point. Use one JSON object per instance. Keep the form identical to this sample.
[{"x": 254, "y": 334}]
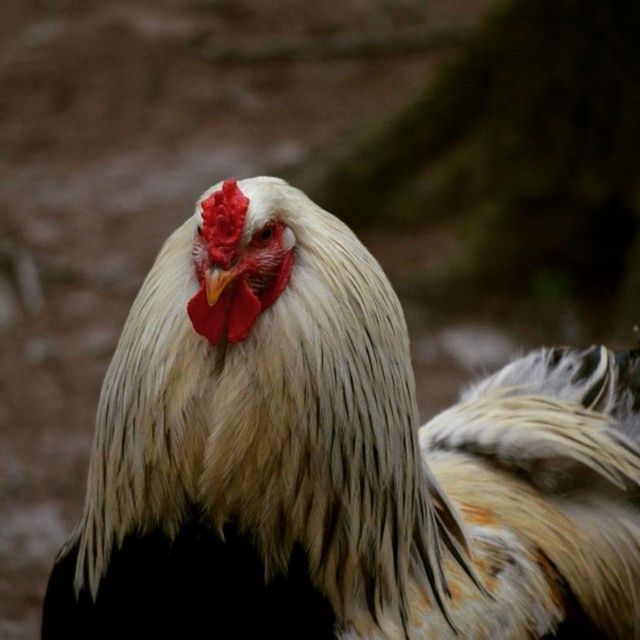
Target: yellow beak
[{"x": 215, "y": 282}]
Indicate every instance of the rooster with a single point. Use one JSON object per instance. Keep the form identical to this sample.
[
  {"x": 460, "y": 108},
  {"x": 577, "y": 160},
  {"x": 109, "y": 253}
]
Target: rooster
[{"x": 258, "y": 471}]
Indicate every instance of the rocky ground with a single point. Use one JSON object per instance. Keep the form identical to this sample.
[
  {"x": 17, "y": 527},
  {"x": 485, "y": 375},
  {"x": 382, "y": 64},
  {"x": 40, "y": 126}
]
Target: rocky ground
[{"x": 114, "y": 117}]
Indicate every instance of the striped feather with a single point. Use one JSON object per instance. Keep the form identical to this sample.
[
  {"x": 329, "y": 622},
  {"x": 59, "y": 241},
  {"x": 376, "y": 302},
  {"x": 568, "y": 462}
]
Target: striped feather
[{"x": 513, "y": 516}]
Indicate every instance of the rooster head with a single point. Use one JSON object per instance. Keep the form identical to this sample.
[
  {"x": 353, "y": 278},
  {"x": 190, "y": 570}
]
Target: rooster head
[{"x": 240, "y": 274}]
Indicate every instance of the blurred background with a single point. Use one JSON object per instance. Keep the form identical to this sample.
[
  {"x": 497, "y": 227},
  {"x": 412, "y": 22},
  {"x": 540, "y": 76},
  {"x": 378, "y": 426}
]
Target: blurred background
[{"x": 486, "y": 152}]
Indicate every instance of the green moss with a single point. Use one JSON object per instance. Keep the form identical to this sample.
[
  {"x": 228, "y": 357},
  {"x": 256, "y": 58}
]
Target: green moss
[{"x": 530, "y": 136}]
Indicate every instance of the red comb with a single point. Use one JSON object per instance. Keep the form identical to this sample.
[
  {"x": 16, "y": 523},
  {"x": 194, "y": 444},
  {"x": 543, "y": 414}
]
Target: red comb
[{"x": 223, "y": 214}]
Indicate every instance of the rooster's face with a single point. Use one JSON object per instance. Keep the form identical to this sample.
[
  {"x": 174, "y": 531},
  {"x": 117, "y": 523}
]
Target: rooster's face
[{"x": 241, "y": 272}]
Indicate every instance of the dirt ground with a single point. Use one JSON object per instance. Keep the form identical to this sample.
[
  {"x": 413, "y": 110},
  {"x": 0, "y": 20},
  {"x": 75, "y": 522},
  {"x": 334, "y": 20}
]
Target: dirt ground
[{"x": 111, "y": 124}]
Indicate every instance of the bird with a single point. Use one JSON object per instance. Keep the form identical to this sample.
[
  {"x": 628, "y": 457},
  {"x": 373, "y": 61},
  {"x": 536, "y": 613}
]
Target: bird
[{"x": 259, "y": 470}]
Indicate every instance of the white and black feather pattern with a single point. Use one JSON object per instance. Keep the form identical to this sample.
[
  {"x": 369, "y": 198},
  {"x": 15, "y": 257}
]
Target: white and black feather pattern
[
  {"x": 302, "y": 434},
  {"x": 596, "y": 378},
  {"x": 303, "y": 438},
  {"x": 552, "y": 415},
  {"x": 549, "y": 447}
]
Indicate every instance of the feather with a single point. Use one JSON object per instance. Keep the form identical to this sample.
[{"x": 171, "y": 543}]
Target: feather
[{"x": 513, "y": 514}]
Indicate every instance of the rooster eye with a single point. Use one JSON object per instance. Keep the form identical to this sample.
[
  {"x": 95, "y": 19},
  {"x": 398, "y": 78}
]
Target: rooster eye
[{"x": 262, "y": 237}]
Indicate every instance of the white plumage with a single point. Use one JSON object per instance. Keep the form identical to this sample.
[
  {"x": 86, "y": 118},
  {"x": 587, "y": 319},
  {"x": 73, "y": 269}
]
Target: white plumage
[{"x": 305, "y": 433}]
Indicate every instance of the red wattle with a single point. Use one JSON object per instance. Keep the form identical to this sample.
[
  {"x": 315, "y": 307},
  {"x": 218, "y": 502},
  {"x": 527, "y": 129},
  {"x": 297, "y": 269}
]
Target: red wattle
[
  {"x": 244, "y": 312},
  {"x": 209, "y": 322}
]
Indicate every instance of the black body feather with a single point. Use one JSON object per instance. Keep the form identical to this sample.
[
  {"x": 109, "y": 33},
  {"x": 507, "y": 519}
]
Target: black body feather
[{"x": 195, "y": 587}]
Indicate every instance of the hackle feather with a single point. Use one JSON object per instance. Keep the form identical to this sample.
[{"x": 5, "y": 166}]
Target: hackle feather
[{"x": 305, "y": 434}]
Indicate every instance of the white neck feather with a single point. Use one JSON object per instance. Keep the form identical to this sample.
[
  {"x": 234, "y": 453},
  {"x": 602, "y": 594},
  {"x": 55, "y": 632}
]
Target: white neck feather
[{"x": 302, "y": 434}]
